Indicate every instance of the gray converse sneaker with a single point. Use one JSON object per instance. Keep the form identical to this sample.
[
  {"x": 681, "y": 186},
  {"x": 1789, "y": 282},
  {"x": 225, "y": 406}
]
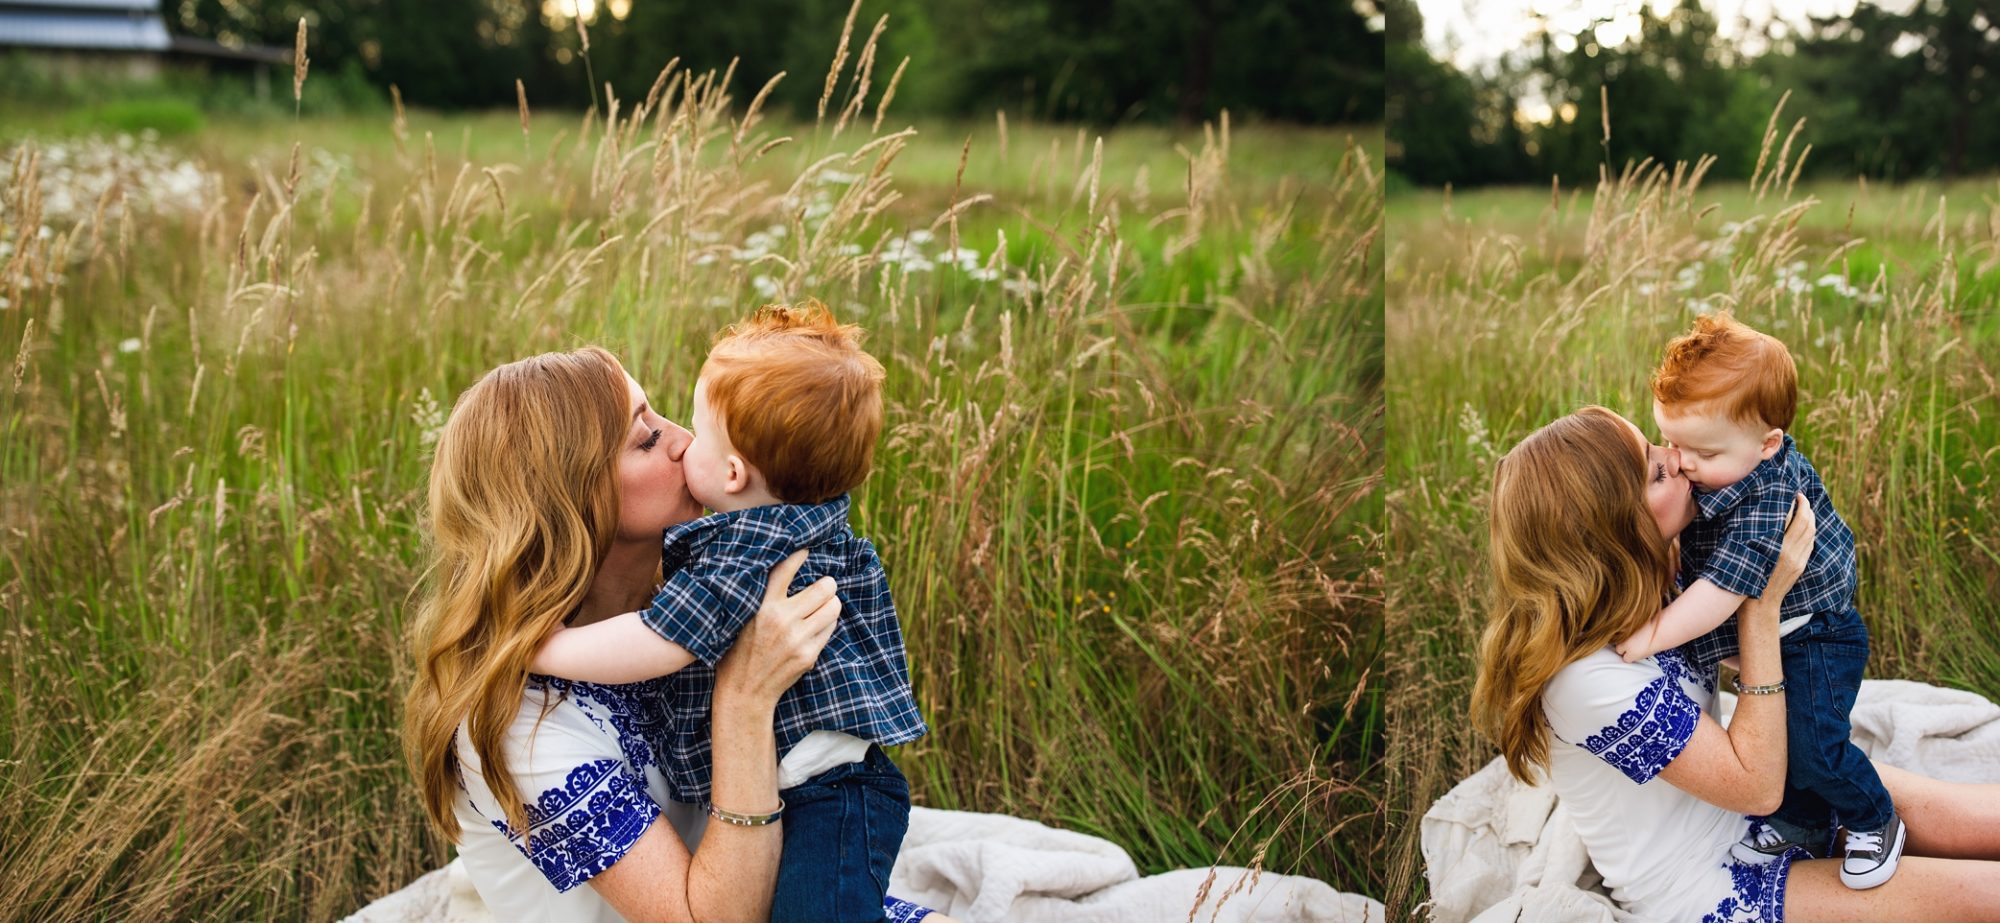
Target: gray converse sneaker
[
  {"x": 1872, "y": 854},
  {"x": 1764, "y": 843}
]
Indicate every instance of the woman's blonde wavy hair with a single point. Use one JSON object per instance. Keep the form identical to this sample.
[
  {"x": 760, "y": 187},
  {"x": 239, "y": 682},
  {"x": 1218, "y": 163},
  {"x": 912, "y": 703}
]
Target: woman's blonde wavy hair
[
  {"x": 523, "y": 508},
  {"x": 1578, "y": 563}
]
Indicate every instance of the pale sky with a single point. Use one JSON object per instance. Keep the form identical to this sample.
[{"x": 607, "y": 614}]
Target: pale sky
[{"x": 1473, "y": 34}]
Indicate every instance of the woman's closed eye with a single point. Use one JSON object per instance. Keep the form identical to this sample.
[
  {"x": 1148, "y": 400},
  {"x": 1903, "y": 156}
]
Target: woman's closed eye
[
  {"x": 650, "y": 442},
  {"x": 1659, "y": 472}
]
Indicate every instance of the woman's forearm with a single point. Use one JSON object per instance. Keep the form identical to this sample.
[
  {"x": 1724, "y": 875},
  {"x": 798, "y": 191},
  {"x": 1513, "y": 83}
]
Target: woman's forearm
[
  {"x": 1757, "y": 732},
  {"x": 735, "y": 870}
]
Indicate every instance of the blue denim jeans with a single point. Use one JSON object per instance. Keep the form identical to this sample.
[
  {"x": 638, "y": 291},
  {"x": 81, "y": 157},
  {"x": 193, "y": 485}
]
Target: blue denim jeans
[
  {"x": 843, "y": 829},
  {"x": 1828, "y": 781}
]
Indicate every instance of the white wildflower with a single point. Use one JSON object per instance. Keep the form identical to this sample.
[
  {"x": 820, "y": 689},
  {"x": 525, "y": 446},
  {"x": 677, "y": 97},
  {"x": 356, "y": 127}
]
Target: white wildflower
[
  {"x": 129, "y": 345},
  {"x": 428, "y": 417}
]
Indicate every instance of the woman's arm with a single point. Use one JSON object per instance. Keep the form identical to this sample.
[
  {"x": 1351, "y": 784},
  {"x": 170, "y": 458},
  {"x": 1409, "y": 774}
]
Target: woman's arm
[
  {"x": 1743, "y": 768},
  {"x": 734, "y": 872}
]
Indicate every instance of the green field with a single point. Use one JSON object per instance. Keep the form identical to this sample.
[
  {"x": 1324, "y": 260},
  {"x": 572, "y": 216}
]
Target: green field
[
  {"x": 1511, "y": 307},
  {"x": 1129, "y": 495}
]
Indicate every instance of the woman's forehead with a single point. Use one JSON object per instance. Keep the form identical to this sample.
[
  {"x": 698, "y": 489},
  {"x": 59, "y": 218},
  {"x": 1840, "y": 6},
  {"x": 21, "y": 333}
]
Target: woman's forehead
[{"x": 636, "y": 394}]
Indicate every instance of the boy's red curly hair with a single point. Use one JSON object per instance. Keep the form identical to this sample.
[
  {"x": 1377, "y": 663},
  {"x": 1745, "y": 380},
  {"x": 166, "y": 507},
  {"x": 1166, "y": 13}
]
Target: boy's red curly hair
[
  {"x": 801, "y": 401},
  {"x": 1724, "y": 365}
]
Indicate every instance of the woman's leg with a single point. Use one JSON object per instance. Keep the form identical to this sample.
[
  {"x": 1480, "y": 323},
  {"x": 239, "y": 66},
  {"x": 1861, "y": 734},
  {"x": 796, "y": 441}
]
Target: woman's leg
[
  {"x": 1959, "y": 890},
  {"x": 1951, "y": 820}
]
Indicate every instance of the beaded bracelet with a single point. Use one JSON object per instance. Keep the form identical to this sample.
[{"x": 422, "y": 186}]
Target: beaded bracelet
[
  {"x": 1766, "y": 689},
  {"x": 746, "y": 820}
]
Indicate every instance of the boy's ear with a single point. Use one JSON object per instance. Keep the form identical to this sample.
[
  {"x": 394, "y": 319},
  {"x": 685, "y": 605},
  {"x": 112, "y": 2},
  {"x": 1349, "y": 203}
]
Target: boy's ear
[
  {"x": 1773, "y": 441},
  {"x": 739, "y": 475}
]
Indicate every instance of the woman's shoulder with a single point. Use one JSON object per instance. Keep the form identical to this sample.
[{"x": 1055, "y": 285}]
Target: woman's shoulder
[
  {"x": 1634, "y": 716},
  {"x": 576, "y": 754},
  {"x": 562, "y": 723},
  {"x": 1601, "y": 689},
  {"x": 1600, "y": 671}
]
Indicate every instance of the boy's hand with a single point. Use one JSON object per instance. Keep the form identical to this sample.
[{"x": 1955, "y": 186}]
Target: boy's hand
[{"x": 1633, "y": 649}]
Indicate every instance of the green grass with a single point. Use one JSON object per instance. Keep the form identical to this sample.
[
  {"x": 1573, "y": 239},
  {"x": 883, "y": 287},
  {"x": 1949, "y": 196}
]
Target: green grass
[
  {"x": 1131, "y": 515},
  {"x": 1506, "y": 312}
]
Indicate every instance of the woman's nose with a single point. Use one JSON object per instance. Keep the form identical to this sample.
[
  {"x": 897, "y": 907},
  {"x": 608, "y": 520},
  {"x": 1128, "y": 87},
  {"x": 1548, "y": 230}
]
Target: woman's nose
[
  {"x": 1673, "y": 462},
  {"x": 677, "y": 440}
]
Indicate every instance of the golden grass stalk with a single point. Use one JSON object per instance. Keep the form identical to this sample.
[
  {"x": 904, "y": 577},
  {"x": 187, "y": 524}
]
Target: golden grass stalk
[
  {"x": 756, "y": 103},
  {"x": 839, "y": 59},
  {"x": 1764, "y": 149},
  {"x": 299, "y": 65},
  {"x": 888, "y": 93},
  {"x": 399, "y": 125},
  {"x": 857, "y": 95},
  {"x": 21, "y": 355},
  {"x": 520, "y": 103}
]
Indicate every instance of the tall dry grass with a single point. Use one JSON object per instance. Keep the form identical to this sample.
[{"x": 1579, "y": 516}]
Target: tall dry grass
[
  {"x": 1129, "y": 496},
  {"x": 1497, "y": 326}
]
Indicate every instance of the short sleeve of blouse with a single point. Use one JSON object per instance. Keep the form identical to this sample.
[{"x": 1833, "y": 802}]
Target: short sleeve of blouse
[
  {"x": 586, "y": 804},
  {"x": 1636, "y": 717}
]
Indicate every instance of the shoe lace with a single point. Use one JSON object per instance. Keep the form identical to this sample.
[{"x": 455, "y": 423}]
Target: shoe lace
[
  {"x": 1768, "y": 837},
  {"x": 1864, "y": 840}
]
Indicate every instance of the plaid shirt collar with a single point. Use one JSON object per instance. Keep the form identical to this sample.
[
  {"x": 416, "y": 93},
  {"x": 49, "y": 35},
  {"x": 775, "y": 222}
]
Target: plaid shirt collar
[
  {"x": 1714, "y": 503},
  {"x": 806, "y": 524}
]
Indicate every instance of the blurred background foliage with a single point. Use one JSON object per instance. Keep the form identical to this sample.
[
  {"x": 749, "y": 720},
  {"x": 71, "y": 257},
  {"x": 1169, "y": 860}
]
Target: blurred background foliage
[
  {"x": 1886, "y": 93},
  {"x": 1099, "y": 61}
]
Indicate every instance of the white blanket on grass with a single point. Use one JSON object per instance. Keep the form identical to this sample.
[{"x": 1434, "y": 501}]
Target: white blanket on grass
[
  {"x": 990, "y": 867},
  {"x": 1497, "y": 850}
]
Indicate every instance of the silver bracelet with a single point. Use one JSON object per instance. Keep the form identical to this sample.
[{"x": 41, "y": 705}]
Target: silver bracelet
[
  {"x": 1766, "y": 689},
  {"x": 746, "y": 820}
]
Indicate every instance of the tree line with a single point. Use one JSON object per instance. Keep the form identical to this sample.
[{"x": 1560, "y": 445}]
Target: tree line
[
  {"x": 1106, "y": 61},
  {"x": 1885, "y": 94}
]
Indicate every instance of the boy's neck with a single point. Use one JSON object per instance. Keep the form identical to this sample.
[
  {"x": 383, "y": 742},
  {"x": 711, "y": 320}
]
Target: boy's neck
[{"x": 746, "y": 499}]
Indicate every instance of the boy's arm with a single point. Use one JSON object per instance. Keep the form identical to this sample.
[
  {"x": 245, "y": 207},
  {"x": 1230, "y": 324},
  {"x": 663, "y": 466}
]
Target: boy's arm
[
  {"x": 1697, "y": 612},
  {"x": 702, "y": 607},
  {"x": 620, "y": 649}
]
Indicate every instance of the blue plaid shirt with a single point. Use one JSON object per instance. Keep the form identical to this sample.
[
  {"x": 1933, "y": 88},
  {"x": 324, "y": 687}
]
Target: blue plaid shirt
[
  {"x": 716, "y": 568},
  {"x": 1738, "y": 531}
]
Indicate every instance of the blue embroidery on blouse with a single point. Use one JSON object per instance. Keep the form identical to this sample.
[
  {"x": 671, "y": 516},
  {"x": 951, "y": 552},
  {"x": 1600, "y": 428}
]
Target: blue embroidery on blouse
[
  {"x": 1655, "y": 729},
  {"x": 902, "y": 911},
  {"x": 633, "y": 713},
  {"x": 585, "y": 826},
  {"x": 1757, "y": 892}
]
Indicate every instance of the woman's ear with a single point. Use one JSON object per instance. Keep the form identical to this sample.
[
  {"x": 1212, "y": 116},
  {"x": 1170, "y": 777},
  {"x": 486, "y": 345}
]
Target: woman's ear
[{"x": 1773, "y": 441}]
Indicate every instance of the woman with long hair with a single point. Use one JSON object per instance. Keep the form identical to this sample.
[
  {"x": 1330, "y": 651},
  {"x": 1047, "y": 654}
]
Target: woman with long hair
[
  {"x": 551, "y": 485},
  {"x": 1584, "y": 516}
]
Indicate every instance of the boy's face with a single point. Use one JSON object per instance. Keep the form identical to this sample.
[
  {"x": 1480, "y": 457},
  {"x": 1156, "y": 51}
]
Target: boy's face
[
  {"x": 1715, "y": 451},
  {"x": 715, "y": 473}
]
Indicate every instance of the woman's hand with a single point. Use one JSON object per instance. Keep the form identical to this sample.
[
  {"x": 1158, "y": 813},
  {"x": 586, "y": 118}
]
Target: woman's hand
[
  {"x": 783, "y": 641},
  {"x": 1760, "y": 615}
]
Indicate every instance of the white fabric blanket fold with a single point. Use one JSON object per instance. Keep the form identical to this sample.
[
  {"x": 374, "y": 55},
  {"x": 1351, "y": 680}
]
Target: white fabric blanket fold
[
  {"x": 981, "y": 868},
  {"x": 1497, "y": 850}
]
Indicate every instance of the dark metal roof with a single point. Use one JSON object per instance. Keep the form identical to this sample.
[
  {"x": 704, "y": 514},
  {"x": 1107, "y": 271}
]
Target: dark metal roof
[{"x": 208, "y": 48}]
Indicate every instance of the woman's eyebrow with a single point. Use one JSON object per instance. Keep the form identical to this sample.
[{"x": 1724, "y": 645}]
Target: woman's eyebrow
[{"x": 642, "y": 409}]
